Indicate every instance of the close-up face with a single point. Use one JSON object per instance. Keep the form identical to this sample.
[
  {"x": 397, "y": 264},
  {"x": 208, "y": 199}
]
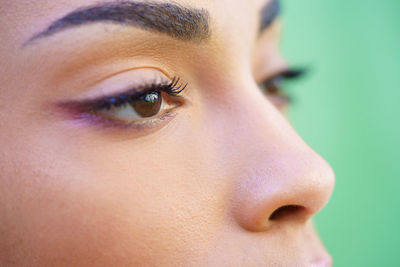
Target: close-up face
[{"x": 152, "y": 133}]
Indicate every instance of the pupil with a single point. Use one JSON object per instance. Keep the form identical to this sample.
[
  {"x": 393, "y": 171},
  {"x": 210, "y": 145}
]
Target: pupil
[{"x": 147, "y": 105}]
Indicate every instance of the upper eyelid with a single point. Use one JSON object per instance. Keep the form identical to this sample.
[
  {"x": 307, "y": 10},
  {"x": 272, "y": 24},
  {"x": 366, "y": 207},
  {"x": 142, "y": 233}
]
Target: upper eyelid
[
  {"x": 144, "y": 89},
  {"x": 109, "y": 85},
  {"x": 132, "y": 92},
  {"x": 97, "y": 103}
]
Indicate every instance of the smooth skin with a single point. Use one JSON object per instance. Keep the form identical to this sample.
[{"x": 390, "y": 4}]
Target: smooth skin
[{"x": 196, "y": 190}]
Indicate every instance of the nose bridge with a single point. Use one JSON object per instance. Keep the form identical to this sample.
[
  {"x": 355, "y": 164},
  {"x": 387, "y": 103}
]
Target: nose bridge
[{"x": 278, "y": 174}]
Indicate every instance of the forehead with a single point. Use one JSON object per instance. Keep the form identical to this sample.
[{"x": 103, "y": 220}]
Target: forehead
[{"x": 228, "y": 17}]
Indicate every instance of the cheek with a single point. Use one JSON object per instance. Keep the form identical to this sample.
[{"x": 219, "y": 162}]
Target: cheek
[{"x": 110, "y": 202}]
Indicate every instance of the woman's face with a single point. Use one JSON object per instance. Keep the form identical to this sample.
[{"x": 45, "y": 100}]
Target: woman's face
[{"x": 104, "y": 162}]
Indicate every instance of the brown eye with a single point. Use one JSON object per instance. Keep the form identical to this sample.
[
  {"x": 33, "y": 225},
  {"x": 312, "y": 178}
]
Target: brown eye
[
  {"x": 273, "y": 92},
  {"x": 147, "y": 105},
  {"x": 144, "y": 105},
  {"x": 272, "y": 87}
]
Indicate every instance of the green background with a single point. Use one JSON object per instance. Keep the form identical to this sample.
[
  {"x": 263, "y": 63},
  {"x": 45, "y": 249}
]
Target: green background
[{"x": 348, "y": 110}]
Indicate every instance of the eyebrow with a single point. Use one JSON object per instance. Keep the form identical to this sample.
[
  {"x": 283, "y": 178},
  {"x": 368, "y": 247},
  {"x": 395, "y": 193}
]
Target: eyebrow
[
  {"x": 269, "y": 13},
  {"x": 187, "y": 24}
]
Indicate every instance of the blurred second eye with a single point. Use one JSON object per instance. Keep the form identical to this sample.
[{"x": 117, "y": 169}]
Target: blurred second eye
[{"x": 272, "y": 87}]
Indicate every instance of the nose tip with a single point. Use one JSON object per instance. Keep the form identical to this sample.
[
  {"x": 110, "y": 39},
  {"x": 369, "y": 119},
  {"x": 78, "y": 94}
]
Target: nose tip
[{"x": 291, "y": 191}]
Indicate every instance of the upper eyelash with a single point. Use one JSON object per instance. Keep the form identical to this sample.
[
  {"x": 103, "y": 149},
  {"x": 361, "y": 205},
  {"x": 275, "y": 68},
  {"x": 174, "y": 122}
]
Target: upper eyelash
[
  {"x": 173, "y": 88},
  {"x": 287, "y": 74}
]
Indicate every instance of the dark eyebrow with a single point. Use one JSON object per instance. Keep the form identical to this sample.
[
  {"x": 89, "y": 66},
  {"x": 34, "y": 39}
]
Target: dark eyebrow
[
  {"x": 187, "y": 24},
  {"x": 269, "y": 13}
]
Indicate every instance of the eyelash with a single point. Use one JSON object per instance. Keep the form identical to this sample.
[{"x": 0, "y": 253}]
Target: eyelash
[
  {"x": 86, "y": 110},
  {"x": 174, "y": 88}
]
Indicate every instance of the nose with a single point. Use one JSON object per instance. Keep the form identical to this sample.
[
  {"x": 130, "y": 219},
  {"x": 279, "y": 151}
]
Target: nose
[
  {"x": 280, "y": 179},
  {"x": 282, "y": 188}
]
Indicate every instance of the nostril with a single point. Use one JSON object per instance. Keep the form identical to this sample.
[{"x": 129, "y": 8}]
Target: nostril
[{"x": 287, "y": 212}]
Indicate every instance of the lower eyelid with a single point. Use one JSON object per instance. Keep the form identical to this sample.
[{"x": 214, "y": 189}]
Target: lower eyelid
[
  {"x": 76, "y": 116},
  {"x": 133, "y": 129}
]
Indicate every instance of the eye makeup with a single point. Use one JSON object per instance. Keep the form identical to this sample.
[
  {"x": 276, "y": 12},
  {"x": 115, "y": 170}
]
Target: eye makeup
[{"x": 141, "y": 107}]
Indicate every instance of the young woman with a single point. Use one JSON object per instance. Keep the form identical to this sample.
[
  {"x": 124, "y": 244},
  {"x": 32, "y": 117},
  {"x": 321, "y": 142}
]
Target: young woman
[{"x": 152, "y": 134}]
